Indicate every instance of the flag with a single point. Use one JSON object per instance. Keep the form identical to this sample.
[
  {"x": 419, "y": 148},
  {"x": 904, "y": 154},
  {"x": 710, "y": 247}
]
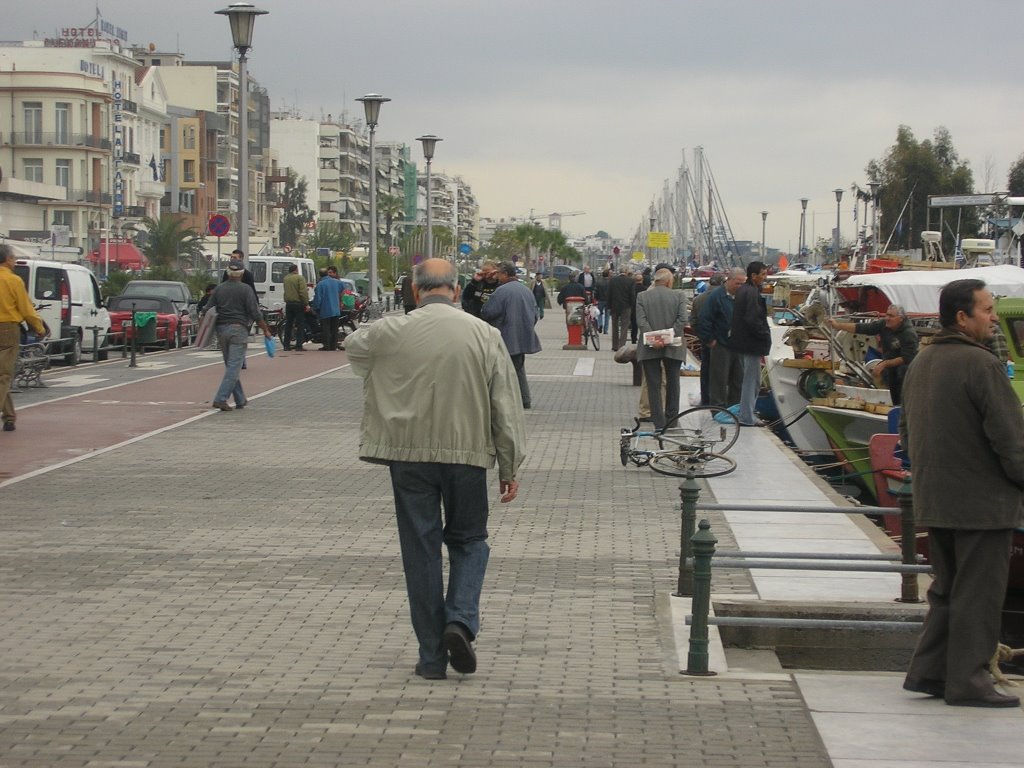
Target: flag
[{"x": 152, "y": 165}]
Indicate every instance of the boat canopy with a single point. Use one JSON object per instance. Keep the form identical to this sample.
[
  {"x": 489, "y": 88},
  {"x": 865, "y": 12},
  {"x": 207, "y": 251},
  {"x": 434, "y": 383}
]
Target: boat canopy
[{"x": 917, "y": 291}]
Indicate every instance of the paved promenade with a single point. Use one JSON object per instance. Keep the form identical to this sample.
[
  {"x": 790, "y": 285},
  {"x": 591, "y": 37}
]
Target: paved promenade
[{"x": 227, "y": 591}]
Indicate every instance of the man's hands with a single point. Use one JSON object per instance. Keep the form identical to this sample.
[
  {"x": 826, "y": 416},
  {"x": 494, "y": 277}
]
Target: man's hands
[{"x": 509, "y": 490}]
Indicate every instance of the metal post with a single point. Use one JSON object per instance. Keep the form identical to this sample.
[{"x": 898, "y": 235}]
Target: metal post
[
  {"x": 909, "y": 589},
  {"x": 689, "y": 493},
  {"x": 135, "y": 338},
  {"x": 703, "y": 550},
  {"x": 430, "y": 222},
  {"x": 243, "y": 154}
]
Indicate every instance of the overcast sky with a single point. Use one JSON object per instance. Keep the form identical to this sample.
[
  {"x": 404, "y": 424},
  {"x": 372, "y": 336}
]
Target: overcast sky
[{"x": 569, "y": 105}]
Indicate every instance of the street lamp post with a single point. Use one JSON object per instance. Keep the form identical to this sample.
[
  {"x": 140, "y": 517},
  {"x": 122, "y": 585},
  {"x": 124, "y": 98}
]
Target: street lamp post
[
  {"x": 874, "y": 217},
  {"x": 429, "y": 141},
  {"x": 242, "y": 17},
  {"x": 764, "y": 219},
  {"x": 803, "y": 226},
  {"x": 650, "y": 248},
  {"x": 835, "y": 244},
  {"x": 371, "y": 106}
]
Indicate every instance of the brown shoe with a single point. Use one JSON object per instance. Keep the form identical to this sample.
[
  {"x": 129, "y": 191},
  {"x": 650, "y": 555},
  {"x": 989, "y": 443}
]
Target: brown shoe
[
  {"x": 994, "y": 699},
  {"x": 222, "y": 406}
]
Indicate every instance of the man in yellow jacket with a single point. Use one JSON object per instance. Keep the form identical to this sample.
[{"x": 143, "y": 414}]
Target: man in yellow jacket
[
  {"x": 441, "y": 404},
  {"x": 15, "y": 308}
]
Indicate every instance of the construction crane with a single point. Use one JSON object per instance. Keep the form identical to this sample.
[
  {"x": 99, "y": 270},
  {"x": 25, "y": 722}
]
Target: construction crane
[{"x": 555, "y": 219}]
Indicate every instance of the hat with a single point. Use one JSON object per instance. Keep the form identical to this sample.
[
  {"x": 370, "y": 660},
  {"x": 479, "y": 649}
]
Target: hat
[{"x": 236, "y": 267}]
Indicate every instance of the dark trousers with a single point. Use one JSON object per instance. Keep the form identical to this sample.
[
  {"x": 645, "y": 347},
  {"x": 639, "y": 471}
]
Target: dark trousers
[
  {"x": 421, "y": 490},
  {"x": 661, "y": 411},
  {"x": 519, "y": 363},
  {"x": 329, "y": 331},
  {"x": 705, "y": 374},
  {"x": 965, "y": 603},
  {"x": 620, "y": 327},
  {"x": 294, "y": 319},
  {"x": 725, "y": 379}
]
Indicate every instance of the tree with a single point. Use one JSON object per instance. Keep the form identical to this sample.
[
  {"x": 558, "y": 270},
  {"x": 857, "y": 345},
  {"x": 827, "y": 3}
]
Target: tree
[
  {"x": 392, "y": 208},
  {"x": 908, "y": 174},
  {"x": 296, "y": 215},
  {"x": 1015, "y": 178},
  {"x": 170, "y": 245},
  {"x": 331, "y": 235}
]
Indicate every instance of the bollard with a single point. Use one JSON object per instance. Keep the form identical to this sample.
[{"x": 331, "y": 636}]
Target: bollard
[
  {"x": 703, "y": 550},
  {"x": 135, "y": 338},
  {"x": 575, "y": 332},
  {"x": 909, "y": 589},
  {"x": 689, "y": 493}
]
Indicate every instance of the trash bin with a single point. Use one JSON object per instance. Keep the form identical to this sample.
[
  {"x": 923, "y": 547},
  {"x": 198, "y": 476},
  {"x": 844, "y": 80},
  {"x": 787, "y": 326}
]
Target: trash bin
[
  {"x": 145, "y": 328},
  {"x": 574, "y": 322}
]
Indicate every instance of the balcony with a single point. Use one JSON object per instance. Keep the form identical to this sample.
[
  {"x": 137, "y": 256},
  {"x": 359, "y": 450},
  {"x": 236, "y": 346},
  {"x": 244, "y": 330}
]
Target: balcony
[
  {"x": 51, "y": 139},
  {"x": 149, "y": 188},
  {"x": 129, "y": 106},
  {"x": 132, "y": 158},
  {"x": 89, "y": 196}
]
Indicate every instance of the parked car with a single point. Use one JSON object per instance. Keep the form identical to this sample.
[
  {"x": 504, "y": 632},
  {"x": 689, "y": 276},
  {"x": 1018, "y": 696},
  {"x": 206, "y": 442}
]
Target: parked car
[
  {"x": 171, "y": 290},
  {"x": 68, "y": 299},
  {"x": 174, "y": 326}
]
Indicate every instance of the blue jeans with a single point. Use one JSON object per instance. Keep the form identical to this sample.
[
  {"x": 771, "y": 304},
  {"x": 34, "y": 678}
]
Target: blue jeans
[
  {"x": 420, "y": 490},
  {"x": 233, "y": 340},
  {"x": 750, "y": 387},
  {"x": 604, "y": 318}
]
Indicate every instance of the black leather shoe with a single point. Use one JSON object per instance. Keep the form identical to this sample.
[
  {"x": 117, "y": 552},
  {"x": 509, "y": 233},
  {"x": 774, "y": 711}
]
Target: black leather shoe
[
  {"x": 430, "y": 674},
  {"x": 8, "y": 426},
  {"x": 220, "y": 405},
  {"x": 928, "y": 687},
  {"x": 993, "y": 699},
  {"x": 460, "y": 649}
]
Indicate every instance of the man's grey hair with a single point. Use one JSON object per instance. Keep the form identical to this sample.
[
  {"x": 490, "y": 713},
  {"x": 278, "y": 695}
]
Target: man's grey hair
[
  {"x": 738, "y": 272},
  {"x": 6, "y": 252},
  {"x": 507, "y": 268},
  {"x": 432, "y": 279},
  {"x": 717, "y": 279},
  {"x": 898, "y": 309},
  {"x": 664, "y": 276}
]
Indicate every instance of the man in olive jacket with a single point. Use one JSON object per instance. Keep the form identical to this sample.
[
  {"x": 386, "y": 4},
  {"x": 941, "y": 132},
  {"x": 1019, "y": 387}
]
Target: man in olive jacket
[
  {"x": 441, "y": 402},
  {"x": 964, "y": 432}
]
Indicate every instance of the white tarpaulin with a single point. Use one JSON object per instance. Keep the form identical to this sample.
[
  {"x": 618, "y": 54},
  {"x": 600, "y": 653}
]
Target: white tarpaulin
[{"x": 917, "y": 291}]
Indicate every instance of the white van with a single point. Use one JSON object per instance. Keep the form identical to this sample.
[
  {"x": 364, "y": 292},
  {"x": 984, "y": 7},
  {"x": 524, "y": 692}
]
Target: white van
[
  {"x": 269, "y": 272},
  {"x": 68, "y": 299}
]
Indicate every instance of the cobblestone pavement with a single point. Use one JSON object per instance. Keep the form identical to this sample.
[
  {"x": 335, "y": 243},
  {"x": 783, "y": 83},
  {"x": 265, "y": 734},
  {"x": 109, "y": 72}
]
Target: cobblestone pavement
[{"x": 230, "y": 593}]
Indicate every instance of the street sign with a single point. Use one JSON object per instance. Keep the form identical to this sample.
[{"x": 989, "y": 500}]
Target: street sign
[
  {"x": 218, "y": 225},
  {"x": 465, "y": 249},
  {"x": 658, "y": 240},
  {"x": 955, "y": 201},
  {"x": 638, "y": 256},
  {"x": 615, "y": 250}
]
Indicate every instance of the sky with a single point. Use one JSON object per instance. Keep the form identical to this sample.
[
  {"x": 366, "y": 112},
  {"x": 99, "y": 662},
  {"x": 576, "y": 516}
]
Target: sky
[{"x": 591, "y": 105}]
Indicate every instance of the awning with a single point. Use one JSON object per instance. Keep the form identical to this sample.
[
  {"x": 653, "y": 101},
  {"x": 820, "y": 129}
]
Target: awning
[{"x": 120, "y": 255}]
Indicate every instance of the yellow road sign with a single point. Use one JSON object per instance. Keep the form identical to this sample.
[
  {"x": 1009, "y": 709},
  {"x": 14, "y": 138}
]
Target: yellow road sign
[
  {"x": 637, "y": 256},
  {"x": 657, "y": 240}
]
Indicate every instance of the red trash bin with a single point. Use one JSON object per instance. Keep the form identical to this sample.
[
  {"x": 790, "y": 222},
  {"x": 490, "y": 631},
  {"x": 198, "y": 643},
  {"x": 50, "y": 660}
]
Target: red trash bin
[{"x": 575, "y": 331}]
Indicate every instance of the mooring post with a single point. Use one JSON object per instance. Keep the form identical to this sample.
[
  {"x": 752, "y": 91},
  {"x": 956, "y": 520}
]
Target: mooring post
[
  {"x": 689, "y": 493},
  {"x": 703, "y": 550},
  {"x": 909, "y": 591}
]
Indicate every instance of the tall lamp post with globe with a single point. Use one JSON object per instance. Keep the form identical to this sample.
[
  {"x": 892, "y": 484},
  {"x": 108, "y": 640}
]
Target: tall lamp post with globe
[
  {"x": 242, "y": 17},
  {"x": 429, "y": 141},
  {"x": 371, "y": 106}
]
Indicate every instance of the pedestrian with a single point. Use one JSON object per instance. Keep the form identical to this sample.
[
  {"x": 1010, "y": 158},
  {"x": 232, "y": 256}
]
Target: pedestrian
[
  {"x": 408, "y": 300},
  {"x": 237, "y": 310},
  {"x": 571, "y": 290},
  {"x": 247, "y": 278},
  {"x": 480, "y": 288},
  {"x": 441, "y": 403},
  {"x": 750, "y": 337},
  {"x": 639, "y": 286},
  {"x": 587, "y": 280},
  {"x": 620, "y": 304},
  {"x": 513, "y": 311},
  {"x": 962, "y": 427},
  {"x": 15, "y": 308},
  {"x": 540, "y": 295},
  {"x": 201, "y": 304},
  {"x": 660, "y": 308},
  {"x": 327, "y": 305},
  {"x": 296, "y": 305},
  {"x": 705, "y": 351},
  {"x": 601, "y": 297},
  {"x": 899, "y": 343},
  {"x": 725, "y": 379}
]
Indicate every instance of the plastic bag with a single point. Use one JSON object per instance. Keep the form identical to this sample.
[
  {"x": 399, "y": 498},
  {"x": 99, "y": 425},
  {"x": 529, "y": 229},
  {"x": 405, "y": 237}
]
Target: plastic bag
[{"x": 270, "y": 346}]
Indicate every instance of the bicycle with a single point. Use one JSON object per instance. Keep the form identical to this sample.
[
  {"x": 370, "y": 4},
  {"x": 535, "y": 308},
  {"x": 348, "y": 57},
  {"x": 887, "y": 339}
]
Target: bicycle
[
  {"x": 692, "y": 441},
  {"x": 591, "y": 332}
]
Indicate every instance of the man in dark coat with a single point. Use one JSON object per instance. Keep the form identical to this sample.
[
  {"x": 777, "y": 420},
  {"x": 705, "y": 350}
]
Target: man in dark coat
[
  {"x": 963, "y": 430},
  {"x": 899, "y": 345},
  {"x": 480, "y": 288},
  {"x": 725, "y": 379},
  {"x": 750, "y": 338},
  {"x": 620, "y": 304},
  {"x": 660, "y": 308},
  {"x": 705, "y": 351},
  {"x": 513, "y": 311}
]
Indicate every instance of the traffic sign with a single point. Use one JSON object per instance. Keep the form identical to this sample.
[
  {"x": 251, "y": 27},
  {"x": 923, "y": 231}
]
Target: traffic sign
[
  {"x": 465, "y": 249},
  {"x": 218, "y": 225}
]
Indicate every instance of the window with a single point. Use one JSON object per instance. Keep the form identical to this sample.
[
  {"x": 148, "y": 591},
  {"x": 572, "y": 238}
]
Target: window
[
  {"x": 63, "y": 123},
  {"x": 189, "y": 171},
  {"x": 63, "y": 218},
  {"x": 47, "y": 283},
  {"x": 163, "y": 138},
  {"x": 278, "y": 270},
  {"x": 259, "y": 271},
  {"x": 64, "y": 174},
  {"x": 185, "y": 201},
  {"x": 33, "y": 122},
  {"x": 33, "y": 169},
  {"x": 189, "y": 138}
]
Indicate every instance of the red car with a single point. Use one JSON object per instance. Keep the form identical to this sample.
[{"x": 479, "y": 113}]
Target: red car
[{"x": 174, "y": 327}]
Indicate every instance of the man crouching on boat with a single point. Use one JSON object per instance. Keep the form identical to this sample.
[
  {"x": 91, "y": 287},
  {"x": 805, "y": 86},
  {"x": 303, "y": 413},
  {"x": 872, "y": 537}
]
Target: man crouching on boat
[
  {"x": 963, "y": 429},
  {"x": 898, "y": 339}
]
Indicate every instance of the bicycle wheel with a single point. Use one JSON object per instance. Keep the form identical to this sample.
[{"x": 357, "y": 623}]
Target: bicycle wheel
[
  {"x": 680, "y": 463},
  {"x": 595, "y": 337},
  {"x": 706, "y": 427}
]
